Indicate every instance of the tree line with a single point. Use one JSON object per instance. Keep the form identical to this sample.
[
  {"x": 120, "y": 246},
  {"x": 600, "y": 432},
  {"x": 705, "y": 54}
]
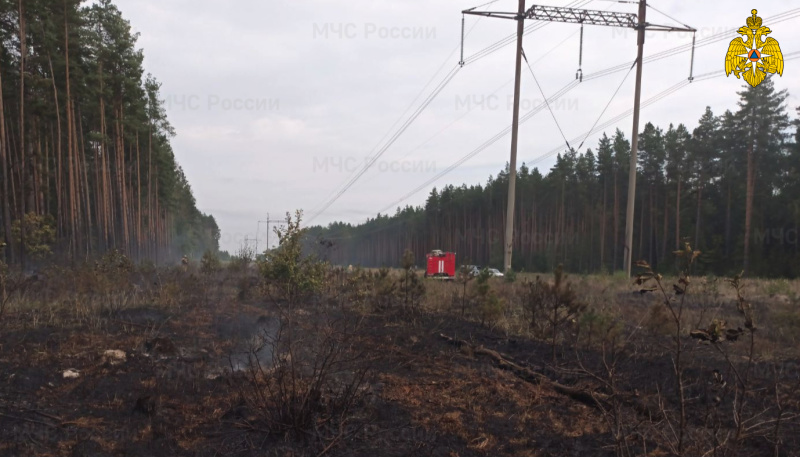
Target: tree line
[
  {"x": 730, "y": 187},
  {"x": 85, "y": 151}
]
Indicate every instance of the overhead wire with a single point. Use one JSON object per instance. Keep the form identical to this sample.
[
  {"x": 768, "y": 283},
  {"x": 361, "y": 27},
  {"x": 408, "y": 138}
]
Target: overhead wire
[
  {"x": 667, "y": 15},
  {"x": 471, "y": 106},
  {"x": 536, "y": 25},
  {"x": 371, "y": 160},
  {"x": 549, "y": 108},
  {"x": 787, "y": 15},
  {"x": 390, "y": 142},
  {"x": 711, "y": 39},
  {"x": 339, "y": 189},
  {"x": 571, "y": 85},
  {"x": 661, "y": 95},
  {"x": 654, "y": 99},
  {"x": 609, "y": 102},
  {"x": 485, "y": 4}
]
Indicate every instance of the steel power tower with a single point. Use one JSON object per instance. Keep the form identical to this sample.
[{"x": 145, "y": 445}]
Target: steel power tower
[
  {"x": 577, "y": 16},
  {"x": 258, "y": 226}
]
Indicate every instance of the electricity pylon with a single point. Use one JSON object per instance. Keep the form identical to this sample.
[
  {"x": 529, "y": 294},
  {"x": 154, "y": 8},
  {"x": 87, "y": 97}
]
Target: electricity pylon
[
  {"x": 577, "y": 16},
  {"x": 258, "y": 226}
]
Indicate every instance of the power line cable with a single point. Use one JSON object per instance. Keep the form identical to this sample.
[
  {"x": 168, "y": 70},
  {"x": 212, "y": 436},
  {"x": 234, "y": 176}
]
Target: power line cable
[
  {"x": 787, "y": 15},
  {"x": 781, "y": 17},
  {"x": 469, "y": 110},
  {"x": 660, "y": 96},
  {"x": 372, "y": 160},
  {"x": 655, "y": 57},
  {"x": 316, "y": 212},
  {"x": 536, "y": 25},
  {"x": 667, "y": 15},
  {"x": 484, "y": 145},
  {"x": 654, "y": 99},
  {"x": 609, "y": 102},
  {"x": 545, "y": 99},
  {"x": 391, "y": 141}
]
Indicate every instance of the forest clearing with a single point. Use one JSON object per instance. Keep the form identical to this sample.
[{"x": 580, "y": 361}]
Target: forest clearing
[{"x": 298, "y": 358}]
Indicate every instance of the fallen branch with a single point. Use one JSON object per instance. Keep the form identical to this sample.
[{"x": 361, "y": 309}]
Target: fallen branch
[
  {"x": 592, "y": 399},
  {"x": 32, "y": 421}
]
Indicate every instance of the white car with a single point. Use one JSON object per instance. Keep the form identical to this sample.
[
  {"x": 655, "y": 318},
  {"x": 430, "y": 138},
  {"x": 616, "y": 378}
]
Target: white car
[
  {"x": 470, "y": 270},
  {"x": 495, "y": 272}
]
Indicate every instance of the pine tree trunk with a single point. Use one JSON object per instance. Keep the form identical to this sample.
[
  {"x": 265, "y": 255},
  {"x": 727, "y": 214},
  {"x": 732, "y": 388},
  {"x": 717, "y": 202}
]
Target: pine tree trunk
[
  {"x": 109, "y": 227},
  {"x": 47, "y": 172},
  {"x": 71, "y": 177},
  {"x": 150, "y": 214},
  {"x": 603, "y": 227},
  {"x": 616, "y": 223},
  {"x": 664, "y": 240},
  {"x": 678, "y": 216},
  {"x": 651, "y": 229},
  {"x": 58, "y": 151},
  {"x": 728, "y": 224},
  {"x": 748, "y": 217},
  {"x": 70, "y": 147},
  {"x": 124, "y": 207},
  {"x": 640, "y": 253},
  {"x": 699, "y": 215},
  {"x": 563, "y": 233},
  {"x": 37, "y": 173},
  {"x": 157, "y": 221},
  {"x": 23, "y": 170},
  {"x": 86, "y": 190},
  {"x": 138, "y": 202},
  {"x": 4, "y": 163}
]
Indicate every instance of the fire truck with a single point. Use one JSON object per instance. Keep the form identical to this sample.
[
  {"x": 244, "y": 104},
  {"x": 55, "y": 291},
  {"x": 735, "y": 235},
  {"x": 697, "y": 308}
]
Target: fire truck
[{"x": 441, "y": 265}]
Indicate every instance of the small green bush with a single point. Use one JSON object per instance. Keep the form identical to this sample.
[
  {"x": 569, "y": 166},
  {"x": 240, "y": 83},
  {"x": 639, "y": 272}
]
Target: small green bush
[
  {"x": 552, "y": 305},
  {"x": 411, "y": 287},
  {"x": 210, "y": 263},
  {"x": 36, "y": 232},
  {"x": 490, "y": 306},
  {"x": 384, "y": 289},
  {"x": 510, "y": 276},
  {"x": 287, "y": 271}
]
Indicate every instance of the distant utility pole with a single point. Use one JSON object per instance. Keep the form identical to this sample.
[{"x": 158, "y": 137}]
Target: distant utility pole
[
  {"x": 268, "y": 221},
  {"x": 576, "y": 16}
]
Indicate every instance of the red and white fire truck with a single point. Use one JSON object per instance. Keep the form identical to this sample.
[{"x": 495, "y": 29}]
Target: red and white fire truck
[{"x": 441, "y": 265}]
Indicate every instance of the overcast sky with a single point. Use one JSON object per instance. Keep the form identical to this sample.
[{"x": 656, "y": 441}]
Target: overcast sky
[{"x": 277, "y": 104}]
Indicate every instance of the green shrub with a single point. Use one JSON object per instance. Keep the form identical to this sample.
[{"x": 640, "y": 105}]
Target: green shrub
[
  {"x": 384, "y": 289},
  {"x": 288, "y": 272},
  {"x": 210, "y": 263},
  {"x": 147, "y": 267},
  {"x": 114, "y": 269},
  {"x": 599, "y": 325},
  {"x": 510, "y": 276},
  {"x": 241, "y": 261},
  {"x": 490, "y": 306},
  {"x": 356, "y": 288},
  {"x": 411, "y": 288},
  {"x": 36, "y": 232},
  {"x": 552, "y": 305},
  {"x": 778, "y": 287}
]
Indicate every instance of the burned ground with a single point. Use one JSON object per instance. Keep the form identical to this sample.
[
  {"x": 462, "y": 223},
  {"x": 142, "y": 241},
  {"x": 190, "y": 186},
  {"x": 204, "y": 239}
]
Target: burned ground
[{"x": 182, "y": 386}]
